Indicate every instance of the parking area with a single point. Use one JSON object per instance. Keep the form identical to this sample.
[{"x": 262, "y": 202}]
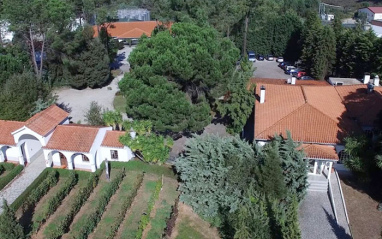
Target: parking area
[{"x": 268, "y": 69}]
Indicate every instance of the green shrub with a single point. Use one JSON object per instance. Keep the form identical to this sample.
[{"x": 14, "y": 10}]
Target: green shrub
[
  {"x": 145, "y": 219},
  {"x": 91, "y": 219},
  {"x": 58, "y": 227},
  {"x": 10, "y": 176},
  {"x": 8, "y": 166},
  {"x": 2, "y": 169},
  {"x": 145, "y": 167},
  {"x": 124, "y": 206},
  {"x": 53, "y": 203}
]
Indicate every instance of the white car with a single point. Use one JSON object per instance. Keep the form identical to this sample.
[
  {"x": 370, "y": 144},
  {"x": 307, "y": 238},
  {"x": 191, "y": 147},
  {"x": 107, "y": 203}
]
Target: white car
[
  {"x": 280, "y": 59},
  {"x": 251, "y": 56}
]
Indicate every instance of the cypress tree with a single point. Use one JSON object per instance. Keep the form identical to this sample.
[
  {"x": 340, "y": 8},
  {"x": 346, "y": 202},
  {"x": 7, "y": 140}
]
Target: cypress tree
[{"x": 9, "y": 227}]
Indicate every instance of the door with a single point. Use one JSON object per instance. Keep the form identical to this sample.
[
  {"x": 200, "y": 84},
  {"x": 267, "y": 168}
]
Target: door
[{"x": 63, "y": 161}]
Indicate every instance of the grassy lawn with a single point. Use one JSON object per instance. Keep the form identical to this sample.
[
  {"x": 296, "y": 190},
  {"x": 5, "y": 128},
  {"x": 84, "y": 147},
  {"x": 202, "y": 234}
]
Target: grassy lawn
[
  {"x": 105, "y": 226},
  {"x": 90, "y": 206},
  {"x": 162, "y": 209},
  {"x": 137, "y": 165},
  {"x": 129, "y": 227},
  {"x": 187, "y": 231},
  {"x": 120, "y": 103}
]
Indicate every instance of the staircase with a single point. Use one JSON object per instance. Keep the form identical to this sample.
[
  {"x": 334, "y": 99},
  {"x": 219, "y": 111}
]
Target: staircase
[{"x": 317, "y": 183}]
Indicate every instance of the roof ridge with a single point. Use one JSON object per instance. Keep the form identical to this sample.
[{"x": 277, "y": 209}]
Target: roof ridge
[
  {"x": 303, "y": 93},
  {"x": 304, "y": 105}
]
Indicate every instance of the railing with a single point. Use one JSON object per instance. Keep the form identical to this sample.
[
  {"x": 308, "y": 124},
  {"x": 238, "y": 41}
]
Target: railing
[
  {"x": 332, "y": 199},
  {"x": 343, "y": 201}
]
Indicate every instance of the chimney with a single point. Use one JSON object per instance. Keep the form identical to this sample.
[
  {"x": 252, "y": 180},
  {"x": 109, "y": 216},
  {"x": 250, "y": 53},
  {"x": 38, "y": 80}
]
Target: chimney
[
  {"x": 262, "y": 94},
  {"x": 366, "y": 78},
  {"x": 370, "y": 88},
  {"x": 376, "y": 80},
  {"x": 289, "y": 81},
  {"x": 293, "y": 80}
]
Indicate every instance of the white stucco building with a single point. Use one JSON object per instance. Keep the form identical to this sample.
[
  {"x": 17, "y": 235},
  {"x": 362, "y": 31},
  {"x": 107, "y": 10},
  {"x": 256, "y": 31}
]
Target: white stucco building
[
  {"x": 372, "y": 13},
  {"x": 63, "y": 145}
]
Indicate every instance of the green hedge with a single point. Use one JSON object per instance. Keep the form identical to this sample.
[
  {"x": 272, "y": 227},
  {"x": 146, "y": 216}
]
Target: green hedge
[
  {"x": 8, "y": 166},
  {"x": 40, "y": 191},
  {"x": 145, "y": 219},
  {"x": 61, "y": 225},
  {"x": 53, "y": 203},
  {"x": 90, "y": 221},
  {"x": 124, "y": 206},
  {"x": 10, "y": 176},
  {"x": 145, "y": 167},
  {"x": 2, "y": 169},
  {"x": 22, "y": 198}
]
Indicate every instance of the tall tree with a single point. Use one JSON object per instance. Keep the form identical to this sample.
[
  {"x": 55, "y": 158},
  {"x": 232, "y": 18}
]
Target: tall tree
[
  {"x": 34, "y": 20},
  {"x": 9, "y": 227}
]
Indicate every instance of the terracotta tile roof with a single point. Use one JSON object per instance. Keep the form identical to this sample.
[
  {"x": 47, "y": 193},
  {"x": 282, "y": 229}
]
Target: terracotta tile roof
[
  {"x": 361, "y": 106},
  {"x": 46, "y": 120},
  {"x": 6, "y": 128},
  {"x": 112, "y": 139},
  {"x": 130, "y": 29},
  {"x": 73, "y": 138},
  {"x": 316, "y": 151},
  {"x": 375, "y": 9},
  {"x": 313, "y": 114}
]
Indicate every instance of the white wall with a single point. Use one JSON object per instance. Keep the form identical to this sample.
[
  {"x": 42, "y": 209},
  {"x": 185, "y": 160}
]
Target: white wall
[
  {"x": 79, "y": 164},
  {"x": 12, "y": 153},
  {"x": 377, "y": 16},
  {"x": 370, "y": 14},
  {"x": 377, "y": 30},
  {"x": 124, "y": 154}
]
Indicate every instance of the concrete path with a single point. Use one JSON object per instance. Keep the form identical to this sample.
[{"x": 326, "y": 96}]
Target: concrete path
[{"x": 14, "y": 189}]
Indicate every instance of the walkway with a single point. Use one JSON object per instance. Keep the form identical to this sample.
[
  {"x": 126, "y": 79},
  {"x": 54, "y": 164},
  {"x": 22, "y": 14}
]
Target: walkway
[{"x": 21, "y": 182}]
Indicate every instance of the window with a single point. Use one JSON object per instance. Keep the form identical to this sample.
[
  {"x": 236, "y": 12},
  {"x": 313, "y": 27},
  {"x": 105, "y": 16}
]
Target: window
[
  {"x": 85, "y": 159},
  {"x": 114, "y": 154}
]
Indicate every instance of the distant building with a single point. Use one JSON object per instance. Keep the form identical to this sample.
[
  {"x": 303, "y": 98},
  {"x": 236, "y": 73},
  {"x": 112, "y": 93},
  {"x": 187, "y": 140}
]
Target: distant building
[
  {"x": 134, "y": 14},
  {"x": 6, "y": 36},
  {"x": 372, "y": 13}
]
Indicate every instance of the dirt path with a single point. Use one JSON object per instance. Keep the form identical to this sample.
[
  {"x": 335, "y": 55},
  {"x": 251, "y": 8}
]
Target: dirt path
[
  {"x": 60, "y": 210},
  {"x": 186, "y": 212},
  {"x": 139, "y": 204}
]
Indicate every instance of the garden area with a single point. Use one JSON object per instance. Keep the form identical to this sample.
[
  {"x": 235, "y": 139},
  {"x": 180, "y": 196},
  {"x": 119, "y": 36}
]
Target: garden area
[
  {"x": 136, "y": 202},
  {"x": 8, "y": 171}
]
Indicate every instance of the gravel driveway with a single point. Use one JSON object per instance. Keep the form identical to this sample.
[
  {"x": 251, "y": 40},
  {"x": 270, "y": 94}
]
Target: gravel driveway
[
  {"x": 79, "y": 100},
  {"x": 268, "y": 69}
]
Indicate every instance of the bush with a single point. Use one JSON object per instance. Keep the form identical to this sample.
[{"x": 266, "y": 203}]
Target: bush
[
  {"x": 2, "y": 169},
  {"x": 23, "y": 197},
  {"x": 124, "y": 206},
  {"x": 141, "y": 166},
  {"x": 53, "y": 203},
  {"x": 171, "y": 222},
  {"x": 145, "y": 219},
  {"x": 8, "y": 166},
  {"x": 10, "y": 176},
  {"x": 61, "y": 225},
  {"x": 36, "y": 194},
  {"x": 91, "y": 219}
]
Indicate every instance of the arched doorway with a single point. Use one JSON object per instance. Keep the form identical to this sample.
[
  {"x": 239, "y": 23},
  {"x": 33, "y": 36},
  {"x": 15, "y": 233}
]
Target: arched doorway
[
  {"x": 63, "y": 160},
  {"x": 81, "y": 161},
  {"x": 30, "y": 146}
]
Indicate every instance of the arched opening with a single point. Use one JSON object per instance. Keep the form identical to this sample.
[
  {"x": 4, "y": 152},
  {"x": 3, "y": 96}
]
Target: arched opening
[
  {"x": 63, "y": 160},
  {"x": 31, "y": 147},
  {"x": 3, "y": 153},
  {"x": 58, "y": 159},
  {"x": 81, "y": 161}
]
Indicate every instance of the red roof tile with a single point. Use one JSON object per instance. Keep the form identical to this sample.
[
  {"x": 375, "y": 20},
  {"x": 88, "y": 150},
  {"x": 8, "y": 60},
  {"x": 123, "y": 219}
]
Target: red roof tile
[
  {"x": 313, "y": 114},
  {"x": 316, "y": 151},
  {"x": 130, "y": 29},
  {"x": 73, "y": 138},
  {"x": 375, "y": 9},
  {"x": 112, "y": 139},
  {"x": 284, "y": 82},
  {"x": 46, "y": 120},
  {"x": 6, "y": 128}
]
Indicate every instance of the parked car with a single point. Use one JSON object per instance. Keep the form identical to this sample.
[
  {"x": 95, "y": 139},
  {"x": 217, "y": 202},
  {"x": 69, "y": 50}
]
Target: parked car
[
  {"x": 270, "y": 58},
  {"x": 286, "y": 66},
  {"x": 299, "y": 74},
  {"x": 260, "y": 57},
  {"x": 282, "y": 64},
  {"x": 280, "y": 59},
  {"x": 292, "y": 70},
  {"x": 251, "y": 56},
  {"x": 306, "y": 78}
]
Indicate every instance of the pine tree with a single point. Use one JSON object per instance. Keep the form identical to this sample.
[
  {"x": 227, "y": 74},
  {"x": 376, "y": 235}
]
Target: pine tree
[{"x": 9, "y": 227}]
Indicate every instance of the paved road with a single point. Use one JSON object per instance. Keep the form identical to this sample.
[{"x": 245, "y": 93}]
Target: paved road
[
  {"x": 268, "y": 69},
  {"x": 21, "y": 182},
  {"x": 78, "y": 101}
]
